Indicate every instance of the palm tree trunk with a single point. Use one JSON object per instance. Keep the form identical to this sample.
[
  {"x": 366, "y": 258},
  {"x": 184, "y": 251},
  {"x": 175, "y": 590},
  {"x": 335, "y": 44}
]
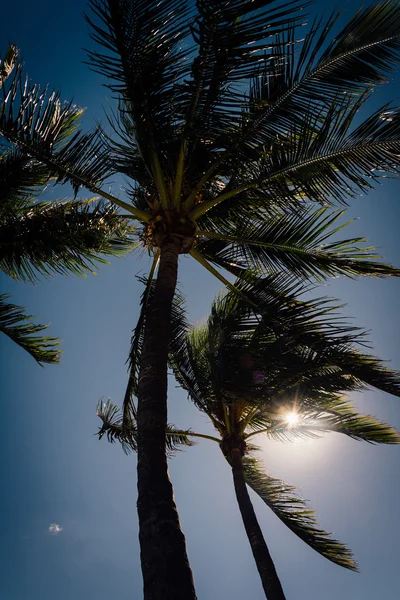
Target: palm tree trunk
[
  {"x": 266, "y": 568},
  {"x": 165, "y": 565}
]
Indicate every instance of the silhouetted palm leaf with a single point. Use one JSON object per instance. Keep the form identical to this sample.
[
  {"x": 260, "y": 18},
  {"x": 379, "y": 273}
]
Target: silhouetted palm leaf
[
  {"x": 18, "y": 326},
  {"x": 282, "y": 499}
]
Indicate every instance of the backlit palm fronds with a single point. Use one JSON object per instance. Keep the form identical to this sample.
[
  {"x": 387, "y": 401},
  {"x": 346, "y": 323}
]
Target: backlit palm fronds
[
  {"x": 313, "y": 415},
  {"x": 327, "y": 163},
  {"x": 21, "y": 180},
  {"x": 303, "y": 244},
  {"x": 295, "y": 514},
  {"x": 126, "y": 434},
  {"x": 145, "y": 63},
  {"x": 316, "y": 71},
  {"x": 232, "y": 40},
  {"x": 18, "y": 326},
  {"x": 45, "y": 128},
  {"x": 60, "y": 237}
]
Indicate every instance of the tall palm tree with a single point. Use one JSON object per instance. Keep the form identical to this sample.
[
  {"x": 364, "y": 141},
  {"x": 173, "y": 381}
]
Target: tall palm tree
[
  {"x": 281, "y": 373},
  {"x": 221, "y": 128},
  {"x": 39, "y": 238}
]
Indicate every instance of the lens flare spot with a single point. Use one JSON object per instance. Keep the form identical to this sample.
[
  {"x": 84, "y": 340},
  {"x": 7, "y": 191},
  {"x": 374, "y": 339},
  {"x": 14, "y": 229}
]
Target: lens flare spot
[{"x": 292, "y": 419}]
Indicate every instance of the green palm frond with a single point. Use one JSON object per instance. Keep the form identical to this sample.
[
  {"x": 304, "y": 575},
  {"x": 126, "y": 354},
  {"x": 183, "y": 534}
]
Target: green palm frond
[
  {"x": 18, "y": 326},
  {"x": 299, "y": 243},
  {"x": 232, "y": 39},
  {"x": 360, "y": 57},
  {"x": 316, "y": 414},
  {"x": 295, "y": 514},
  {"x": 330, "y": 164},
  {"x": 126, "y": 435},
  {"x": 60, "y": 237},
  {"x": 145, "y": 63},
  {"x": 21, "y": 179},
  {"x": 44, "y": 127}
]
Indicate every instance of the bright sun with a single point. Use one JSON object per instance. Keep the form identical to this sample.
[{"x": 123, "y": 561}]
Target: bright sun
[{"x": 292, "y": 419}]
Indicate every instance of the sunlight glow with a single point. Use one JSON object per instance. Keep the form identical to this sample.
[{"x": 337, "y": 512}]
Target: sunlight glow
[{"x": 292, "y": 419}]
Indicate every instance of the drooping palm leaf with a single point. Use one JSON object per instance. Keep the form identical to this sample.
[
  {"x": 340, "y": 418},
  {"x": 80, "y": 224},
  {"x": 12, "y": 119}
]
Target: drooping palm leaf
[
  {"x": 281, "y": 498},
  {"x": 18, "y": 326},
  {"x": 60, "y": 237}
]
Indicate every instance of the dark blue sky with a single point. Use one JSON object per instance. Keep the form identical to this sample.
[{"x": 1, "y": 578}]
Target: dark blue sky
[{"x": 54, "y": 470}]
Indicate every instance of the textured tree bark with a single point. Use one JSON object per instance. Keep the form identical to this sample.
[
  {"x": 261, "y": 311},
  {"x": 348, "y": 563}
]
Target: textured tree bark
[
  {"x": 266, "y": 568},
  {"x": 165, "y": 565}
]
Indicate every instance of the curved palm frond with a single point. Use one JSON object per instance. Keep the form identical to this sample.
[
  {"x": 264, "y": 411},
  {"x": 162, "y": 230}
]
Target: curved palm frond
[
  {"x": 17, "y": 325},
  {"x": 299, "y": 243},
  {"x": 281, "y": 498},
  {"x": 60, "y": 237}
]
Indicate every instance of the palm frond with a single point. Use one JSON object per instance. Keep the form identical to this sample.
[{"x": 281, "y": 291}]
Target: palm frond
[
  {"x": 145, "y": 63},
  {"x": 21, "y": 180},
  {"x": 295, "y": 514},
  {"x": 126, "y": 435},
  {"x": 60, "y": 237},
  {"x": 232, "y": 39},
  {"x": 45, "y": 128},
  {"x": 346, "y": 420},
  {"x": 359, "y": 57},
  {"x": 18, "y": 326},
  {"x": 8, "y": 63},
  {"x": 299, "y": 243}
]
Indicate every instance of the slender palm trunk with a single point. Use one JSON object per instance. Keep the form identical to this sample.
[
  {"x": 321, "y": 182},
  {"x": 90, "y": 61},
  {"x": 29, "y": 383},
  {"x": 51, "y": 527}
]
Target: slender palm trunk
[
  {"x": 165, "y": 566},
  {"x": 266, "y": 568}
]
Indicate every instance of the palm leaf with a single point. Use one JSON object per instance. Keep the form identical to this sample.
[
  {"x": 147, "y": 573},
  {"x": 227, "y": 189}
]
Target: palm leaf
[
  {"x": 17, "y": 325},
  {"x": 298, "y": 243},
  {"x": 21, "y": 180},
  {"x": 8, "y": 63},
  {"x": 360, "y": 57},
  {"x": 317, "y": 415},
  {"x": 295, "y": 514},
  {"x": 144, "y": 62},
  {"x": 60, "y": 237},
  {"x": 126, "y": 435},
  {"x": 44, "y": 127}
]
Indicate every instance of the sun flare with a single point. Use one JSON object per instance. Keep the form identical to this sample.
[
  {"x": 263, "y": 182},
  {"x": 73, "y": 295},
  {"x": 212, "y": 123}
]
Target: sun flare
[{"x": 292, "y": 419}]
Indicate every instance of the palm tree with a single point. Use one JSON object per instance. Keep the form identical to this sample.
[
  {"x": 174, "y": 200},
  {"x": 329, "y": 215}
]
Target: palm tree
[
  {"x": 281, "y": 373},
  {"x": 39, "y": 238},
  {"x": 223, "y": 130}
]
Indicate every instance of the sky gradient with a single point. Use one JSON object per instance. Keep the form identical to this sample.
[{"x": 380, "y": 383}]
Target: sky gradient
[{"x": 55, "y": 471}]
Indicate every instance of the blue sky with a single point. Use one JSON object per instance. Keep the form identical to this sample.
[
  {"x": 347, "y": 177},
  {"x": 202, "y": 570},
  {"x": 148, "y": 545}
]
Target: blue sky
[{"x": 54, "y": 470}]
